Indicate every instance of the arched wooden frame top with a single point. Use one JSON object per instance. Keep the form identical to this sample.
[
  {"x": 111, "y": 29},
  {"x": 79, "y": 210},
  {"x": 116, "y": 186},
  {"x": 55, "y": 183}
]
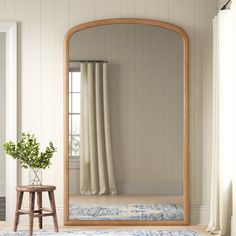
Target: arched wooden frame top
[{"x": 185, "y": 39}]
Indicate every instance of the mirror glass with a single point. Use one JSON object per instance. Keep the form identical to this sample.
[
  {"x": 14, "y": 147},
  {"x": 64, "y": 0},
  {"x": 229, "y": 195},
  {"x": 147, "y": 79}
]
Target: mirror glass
[
  {"x": 126, "y": 124},
  {"x": 2, "y": 123}
]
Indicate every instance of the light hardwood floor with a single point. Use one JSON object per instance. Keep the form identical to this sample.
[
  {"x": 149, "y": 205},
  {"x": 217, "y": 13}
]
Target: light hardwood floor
[
  {"x": 120, "y": 199},
  {"x": 201, "y": 230}
]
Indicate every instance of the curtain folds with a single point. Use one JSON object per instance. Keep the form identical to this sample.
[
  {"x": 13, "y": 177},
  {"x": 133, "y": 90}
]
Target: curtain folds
[
  {"x": 96, "y": 165},
  {"x": 223, "y": 140}
]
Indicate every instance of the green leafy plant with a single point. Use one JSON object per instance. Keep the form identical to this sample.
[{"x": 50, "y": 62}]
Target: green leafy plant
[{"x": 27, "y": 152}]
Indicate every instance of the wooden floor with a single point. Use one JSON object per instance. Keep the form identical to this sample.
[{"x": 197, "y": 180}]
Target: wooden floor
[
  {"x": 201, "y": 230},
  {"x": 120, "y": 199}
]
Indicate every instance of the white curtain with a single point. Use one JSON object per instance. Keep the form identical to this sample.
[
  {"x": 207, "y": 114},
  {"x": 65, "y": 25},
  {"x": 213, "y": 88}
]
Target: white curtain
[
  {"x": 96, "y": 165},
  {"x": 224, "y": 141}
]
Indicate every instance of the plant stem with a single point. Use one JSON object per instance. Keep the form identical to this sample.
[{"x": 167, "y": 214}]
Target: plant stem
[{"x": 36, "y": 176}]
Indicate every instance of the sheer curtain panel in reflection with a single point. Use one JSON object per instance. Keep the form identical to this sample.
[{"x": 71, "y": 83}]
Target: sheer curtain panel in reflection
[{"x": 97, "y": 171}]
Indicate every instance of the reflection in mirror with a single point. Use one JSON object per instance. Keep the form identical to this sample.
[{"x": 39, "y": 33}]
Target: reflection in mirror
[
  {"x": 2, "y": 125},
  {"x": 126, "y": 123}
]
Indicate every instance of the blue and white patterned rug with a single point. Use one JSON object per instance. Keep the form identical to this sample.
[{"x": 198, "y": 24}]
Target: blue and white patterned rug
[
  {"x": 98, "y": 211},
  {"x": 105, "y": 233}
]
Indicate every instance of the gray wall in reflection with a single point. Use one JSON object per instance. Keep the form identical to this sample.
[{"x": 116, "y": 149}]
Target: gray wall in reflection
[{"x": 145, "y": 82}]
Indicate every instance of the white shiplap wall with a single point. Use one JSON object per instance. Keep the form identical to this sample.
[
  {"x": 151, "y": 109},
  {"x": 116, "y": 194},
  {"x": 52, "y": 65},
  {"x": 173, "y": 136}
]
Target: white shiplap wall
[
  {"x": 2, "y": 112},
  {"x": 42, "y": 26}
]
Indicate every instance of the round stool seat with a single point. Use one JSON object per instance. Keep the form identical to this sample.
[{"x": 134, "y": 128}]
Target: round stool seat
[{"x": 29, "y": 188}]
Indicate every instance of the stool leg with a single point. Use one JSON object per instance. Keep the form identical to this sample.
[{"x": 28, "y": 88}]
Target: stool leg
[
  {"x": 18, "y": 207},
  {"x": 53, "y": 207},
  {"x": 40, "y": 205},
  {"x": 31, "y": 212}
]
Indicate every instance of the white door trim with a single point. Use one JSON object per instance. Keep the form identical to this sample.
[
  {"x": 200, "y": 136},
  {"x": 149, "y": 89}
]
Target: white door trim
[{"x": 10, "y": 28}]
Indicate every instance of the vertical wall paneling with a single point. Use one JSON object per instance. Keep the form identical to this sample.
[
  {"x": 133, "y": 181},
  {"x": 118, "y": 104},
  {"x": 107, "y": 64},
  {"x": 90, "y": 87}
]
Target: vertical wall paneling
[
  {"x": 26, "y": 116},
  {"x": 40, "y": 69},
  {"x": 34, "y": 65},
  {"x": 88, "y": 9},
  {"x": 2, "y": 112},
  {"x": 140, "y": 8},
  {"x": 10, "y": 9},
  {"x": 48, "y": 85},
  {"x": 2, "y": 9},
  {"x": 163, "y": 10},
  {"x": 200, "y": 61},
  {"x": 115, "y": 8},
  {"x": 74, "y": 12},
  {"x": 151, "y": 8},
  {"x": 102, "y": 9},
  {"x": 207, "y": 98},
  {"x": 61, "y": 26},
  {"x": 127, "y": 8}
]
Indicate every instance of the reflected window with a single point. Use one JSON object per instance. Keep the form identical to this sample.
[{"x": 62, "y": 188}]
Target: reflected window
[{"x": 74, "y": 114}]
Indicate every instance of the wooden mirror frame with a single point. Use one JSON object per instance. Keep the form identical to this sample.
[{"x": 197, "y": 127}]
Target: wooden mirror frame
[{"x": 185, "y": 39}]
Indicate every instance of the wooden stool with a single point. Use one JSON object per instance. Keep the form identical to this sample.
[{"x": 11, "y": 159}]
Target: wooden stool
[{"x": 31, "y": 212}]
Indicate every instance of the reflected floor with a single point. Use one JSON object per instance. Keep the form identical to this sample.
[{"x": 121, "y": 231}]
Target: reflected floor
[{"x": 126, "y": 207}]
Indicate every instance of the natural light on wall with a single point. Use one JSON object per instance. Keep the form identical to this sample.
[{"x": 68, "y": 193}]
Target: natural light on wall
[{"x": 227, "y": 96}]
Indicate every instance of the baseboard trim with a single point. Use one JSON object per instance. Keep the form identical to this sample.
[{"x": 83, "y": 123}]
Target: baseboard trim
[
  {"x": 2, "y": 189},
  {"x": 200, "y": 214}
]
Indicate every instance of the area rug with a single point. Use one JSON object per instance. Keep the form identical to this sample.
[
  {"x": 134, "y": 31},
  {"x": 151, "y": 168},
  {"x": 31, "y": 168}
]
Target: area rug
[
  {"x": 95, "y": 211},
  {"x": 2, "y": 208},
  {"x": 106, "y": 233}
]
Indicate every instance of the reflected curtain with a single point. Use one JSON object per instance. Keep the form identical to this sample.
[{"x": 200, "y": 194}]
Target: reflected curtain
[
  {"x": 96, "y": 165},
  {"x": 223, "y": 125}
]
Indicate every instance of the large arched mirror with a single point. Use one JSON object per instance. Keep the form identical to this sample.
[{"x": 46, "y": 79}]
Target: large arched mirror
[{"x": 126, "y": 123}]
